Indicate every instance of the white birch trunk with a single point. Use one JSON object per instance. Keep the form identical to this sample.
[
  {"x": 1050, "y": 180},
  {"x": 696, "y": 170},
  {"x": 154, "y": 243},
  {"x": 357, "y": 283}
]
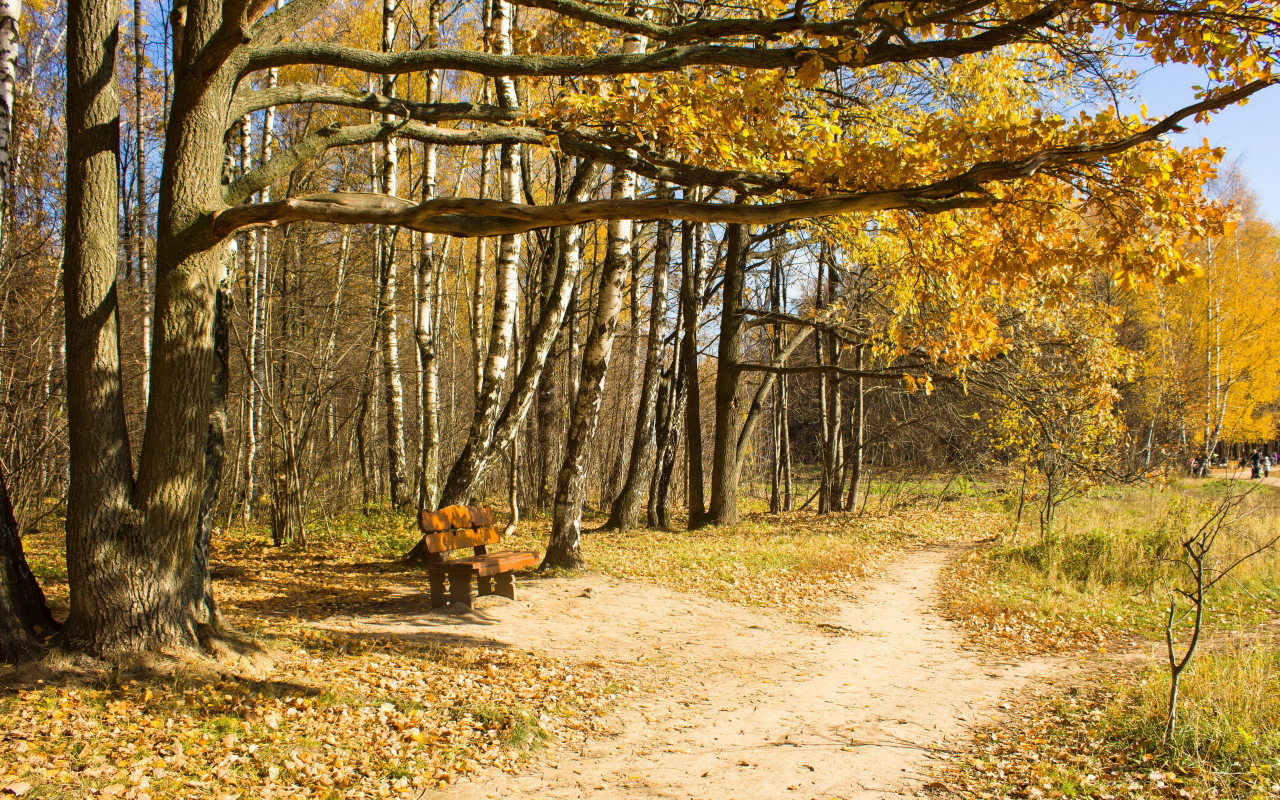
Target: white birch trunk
[
  {"x": 389, "y": 339},
  {"x": 10, "y": 14}
]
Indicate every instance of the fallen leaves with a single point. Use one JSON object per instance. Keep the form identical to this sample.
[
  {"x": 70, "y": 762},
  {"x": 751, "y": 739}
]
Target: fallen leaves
[{"x": 338, "y": 716}]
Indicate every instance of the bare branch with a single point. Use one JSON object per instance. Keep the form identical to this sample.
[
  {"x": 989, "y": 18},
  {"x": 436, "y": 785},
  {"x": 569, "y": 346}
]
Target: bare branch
[
  {"x": 665, "y": 60},
  {"x": 336, "y": 135},
  {"x": 470, "y": 218},
  {"x": 248, "y": 102}
]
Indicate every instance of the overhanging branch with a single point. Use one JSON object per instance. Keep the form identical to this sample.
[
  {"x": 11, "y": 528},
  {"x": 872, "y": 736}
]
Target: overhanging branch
[{"x": 468, "y": 217}]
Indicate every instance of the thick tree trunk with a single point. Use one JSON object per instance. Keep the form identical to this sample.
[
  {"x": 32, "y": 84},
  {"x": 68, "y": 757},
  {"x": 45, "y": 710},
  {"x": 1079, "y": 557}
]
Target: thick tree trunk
[
  {"x": 723, "y": 509},
  {"x": 629, "y": 506},
  {"x": 564, "y": 547},
  {"x": 100, "y": 514},
  {"x": 131, "y": 548},
  {"x": 25, "y": 621}
]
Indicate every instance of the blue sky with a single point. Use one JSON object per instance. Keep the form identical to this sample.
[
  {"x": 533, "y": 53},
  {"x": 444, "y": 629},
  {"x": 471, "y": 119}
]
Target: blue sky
[{"x": 1251, "y": 133}]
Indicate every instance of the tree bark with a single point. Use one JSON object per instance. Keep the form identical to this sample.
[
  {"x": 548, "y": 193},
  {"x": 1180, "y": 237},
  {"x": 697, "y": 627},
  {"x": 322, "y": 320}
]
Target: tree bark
[
  {"x": 858, "y": 434},
  {"x": 425, "y": 319},
  {"x": 564, "y": 547},
  {"x": 484, "y": 441},
  {"x": 398, "y": 477},
  {"x": 100, "y": 514},
  {"x": 723, "y": 509},
  {"x": 25, "y": 621},
  {"x": 481, "y": 441},
  {"x": 10, "y": 14},
  {"x": 629, "y": 505},
  {"x": 690, "y": 302},
  {"x": 131, "y": 546}
]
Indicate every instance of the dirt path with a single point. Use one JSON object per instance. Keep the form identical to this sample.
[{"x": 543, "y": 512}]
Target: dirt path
[{"x": 739, "y": 704}]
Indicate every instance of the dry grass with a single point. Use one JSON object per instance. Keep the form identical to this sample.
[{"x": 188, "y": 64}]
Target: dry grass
[
  {"x": 1105, "y": 572},
  {"x": 1102, "y": 737},
  {"x": 800, "y": 563},
  {"x": 1101, "y": 582}
]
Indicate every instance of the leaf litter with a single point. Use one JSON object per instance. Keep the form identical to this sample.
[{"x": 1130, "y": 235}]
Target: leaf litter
[{"x": 334, "y": 717}]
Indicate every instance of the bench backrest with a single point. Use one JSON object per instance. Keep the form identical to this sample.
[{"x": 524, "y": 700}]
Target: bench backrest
[{"x": 456, "y": 527}]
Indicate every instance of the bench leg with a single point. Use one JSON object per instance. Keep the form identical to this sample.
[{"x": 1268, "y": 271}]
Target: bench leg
[
  {"x": 437, "y": 580},
  {"x": 460, "y": 587},
  {"x": 484, "y": 585},
  {"x": 506, "y": 585}
]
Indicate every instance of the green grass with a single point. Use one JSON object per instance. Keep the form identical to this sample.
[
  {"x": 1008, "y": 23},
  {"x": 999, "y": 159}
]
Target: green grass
[{"x": 517, "y": 728}]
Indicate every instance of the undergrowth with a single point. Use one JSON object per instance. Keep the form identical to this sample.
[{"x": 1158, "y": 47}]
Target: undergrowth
[
  {"x": 1104, "y": 572},
  {"x": 1099, "y": 581}
]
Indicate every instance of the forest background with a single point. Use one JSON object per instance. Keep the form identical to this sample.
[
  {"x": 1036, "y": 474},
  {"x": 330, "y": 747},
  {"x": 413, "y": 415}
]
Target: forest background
[{"x": 1061, "y": 294}]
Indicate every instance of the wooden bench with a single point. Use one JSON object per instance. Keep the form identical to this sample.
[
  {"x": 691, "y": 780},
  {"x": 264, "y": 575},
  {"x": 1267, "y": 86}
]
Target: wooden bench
[{"x": 458, "y": 527}]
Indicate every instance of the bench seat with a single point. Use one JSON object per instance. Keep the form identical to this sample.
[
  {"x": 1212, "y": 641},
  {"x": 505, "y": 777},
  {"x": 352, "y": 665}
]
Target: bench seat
[{"x": 491, "y": 563}]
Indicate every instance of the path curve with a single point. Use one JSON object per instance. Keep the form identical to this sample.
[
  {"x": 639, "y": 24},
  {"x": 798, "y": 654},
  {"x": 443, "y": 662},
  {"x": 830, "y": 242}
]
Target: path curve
[{"x": 739, "y": 704}]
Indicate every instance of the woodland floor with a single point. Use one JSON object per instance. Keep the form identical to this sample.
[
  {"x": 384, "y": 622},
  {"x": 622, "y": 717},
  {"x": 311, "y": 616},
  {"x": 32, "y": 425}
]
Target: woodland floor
[
  {"x": 733, "y": 702},
  {"x": 798, "y": 657}
]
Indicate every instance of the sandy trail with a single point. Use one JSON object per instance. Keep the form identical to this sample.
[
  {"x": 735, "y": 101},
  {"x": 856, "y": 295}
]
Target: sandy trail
[{"x": 741, "y": 704}]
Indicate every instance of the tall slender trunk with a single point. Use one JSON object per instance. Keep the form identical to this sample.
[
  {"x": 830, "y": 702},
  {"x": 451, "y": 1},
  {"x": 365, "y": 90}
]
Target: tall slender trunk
[
  {"x": 858, "y": 434},
  {"x": 775, "y": 343},
  {"x": 398, "y": 477},
  {"x": 784, "y": 398},
  {"x": 10, "y": 14},
  {"x": 564, "y": 546},
  {"x": 628, "y": 506},
  {"x": 425, "y": 325},
  {"x": 500, "y": 427},
  {"x": 141, "y": 227},
  {"x": 670, "y": 407},
  {"x": 480, "y": 441},
  {"x": 260, "y": 316},
  {"x": 690, "y": 301}
]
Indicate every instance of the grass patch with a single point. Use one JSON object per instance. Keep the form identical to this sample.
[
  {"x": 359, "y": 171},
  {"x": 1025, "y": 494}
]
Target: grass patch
[
  {"x": 1228, "y": 732},
  {"x": 799, "y": 562},
  {"x": 1104, "y": 739},
  {"x": 1106, "y": 570}
]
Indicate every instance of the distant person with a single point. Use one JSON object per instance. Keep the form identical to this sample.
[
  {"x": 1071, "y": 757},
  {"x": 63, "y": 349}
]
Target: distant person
[
  {"x": 1266, "y": 466},
  {"x": 1255, "y": 461}
]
